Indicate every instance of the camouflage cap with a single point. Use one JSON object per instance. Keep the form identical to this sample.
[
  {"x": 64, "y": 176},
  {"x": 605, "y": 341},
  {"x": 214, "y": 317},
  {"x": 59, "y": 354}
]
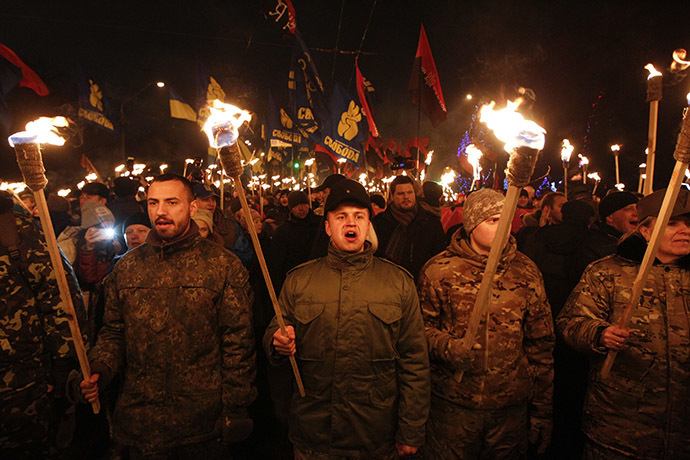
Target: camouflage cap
[
  {"x": 479, "y": 206},
  {"x": 651, "y": 204}
]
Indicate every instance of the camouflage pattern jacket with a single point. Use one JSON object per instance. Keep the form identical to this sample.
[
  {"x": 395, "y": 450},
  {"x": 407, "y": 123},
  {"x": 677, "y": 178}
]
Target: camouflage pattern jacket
[
  {"x": 511, "y": 361},
  {"x": 643, "y": 408},
  {"x": 361, "y": 353},
  {"x": 178, "y": 321},
  {"x": 35, "y": 341}
]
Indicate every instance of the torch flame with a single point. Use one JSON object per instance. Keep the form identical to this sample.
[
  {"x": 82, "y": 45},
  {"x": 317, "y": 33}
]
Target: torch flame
[
  {"x": 473, "y": 156},
  {"x": 223, "y": 123},
  {"x": 14, "y": 187},
  {"x": 615, "y": 148},
  {"x": 679, "y": 63},
  {"x": 583, "y": 159},
  {"x": 429, "y": 156},
  {"x": 566, "y": 151},
  {"x": 64, "y": 192},
  {"x": 40, "y": 131},
  {"x": 511, "y": 127},
  {"x": 594, "y": 176},
  {"x": 448, "y": 178},
  {"x": 652, "y": 71}
]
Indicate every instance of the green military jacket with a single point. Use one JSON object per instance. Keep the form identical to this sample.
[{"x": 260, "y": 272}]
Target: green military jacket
[
  {"x": 361, "y": 353},
  {"x": 511, "y": 361},
  {"x": 36, "y": 347},
  {"x": 643, "y": 408},
  {"x": 178, "y": 323}
]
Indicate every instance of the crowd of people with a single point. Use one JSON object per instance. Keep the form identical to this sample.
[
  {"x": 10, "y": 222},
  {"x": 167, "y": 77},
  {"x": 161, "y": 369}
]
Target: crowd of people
[{"x": 189, "y": 360}]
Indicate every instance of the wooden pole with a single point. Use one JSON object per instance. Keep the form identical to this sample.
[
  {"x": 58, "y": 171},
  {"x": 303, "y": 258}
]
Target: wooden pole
[
  {"x": 654, "y": 94},
  {"x": 618, "y": 174},
  {"x": 31, "y": 165},
  {"x": 520, "y": 171},
  {"x": 228, "y": 158},
  {"x": 682, "y": 156},
  {"x": 565, "y": 179}
]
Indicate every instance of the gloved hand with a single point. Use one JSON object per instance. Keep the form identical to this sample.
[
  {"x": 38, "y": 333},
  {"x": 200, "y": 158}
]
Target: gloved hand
[
  {"x": 459, "y": 359},
  {"x": 236, "y": 426},
  {"x": 540, "y": 432}
]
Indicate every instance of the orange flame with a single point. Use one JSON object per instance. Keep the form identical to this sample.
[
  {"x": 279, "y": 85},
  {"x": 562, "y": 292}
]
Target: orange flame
[
  {"x": 222, "y": 125},
  {"x": 566, "y": 151},
  {"x": 473, "y": 156},
  {"x": 511, "y": 127},
  {"x": 652, "y": 71},
  {"x": 679, "y": 63},
  {"x": 40, "y": 131}
]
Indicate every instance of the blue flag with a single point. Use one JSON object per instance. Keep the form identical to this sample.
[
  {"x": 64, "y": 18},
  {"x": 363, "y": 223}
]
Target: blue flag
[
  {"x": 307, "y": 100},
  {"x": 280, "y": 127},
  {"x": 344, "y": 129},
  {"x": 91, "y": 103}
]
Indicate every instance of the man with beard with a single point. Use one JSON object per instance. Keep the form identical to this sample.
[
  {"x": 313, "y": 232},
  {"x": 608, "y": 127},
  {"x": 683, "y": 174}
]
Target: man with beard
[
  {"x": 408, "y": 235},
  {"x": 354, "y": 325},
  {"x": 178, "y": 325},
  {"x": 640, "y": 410}
]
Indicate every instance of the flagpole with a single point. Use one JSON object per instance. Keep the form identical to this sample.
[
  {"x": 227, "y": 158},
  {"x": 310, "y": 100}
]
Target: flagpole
[{"x": 419, "y": 113}]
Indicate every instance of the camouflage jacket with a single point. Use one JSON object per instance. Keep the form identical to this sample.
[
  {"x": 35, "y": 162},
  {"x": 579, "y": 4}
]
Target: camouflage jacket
[
  {"x": 361, "y": 353},
  {"x": 643, "y": 408},
  {"x": 36, "y": 346},
  {"x": 511, "y": 361},
  {"x": 178, "y": 321}
]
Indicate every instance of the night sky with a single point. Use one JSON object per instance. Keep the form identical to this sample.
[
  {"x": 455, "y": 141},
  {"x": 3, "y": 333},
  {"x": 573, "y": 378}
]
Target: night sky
[{"x": 584, "y": 61}]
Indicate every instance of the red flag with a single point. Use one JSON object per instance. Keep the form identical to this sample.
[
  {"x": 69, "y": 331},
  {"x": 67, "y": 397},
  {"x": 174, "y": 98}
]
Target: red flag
[
  {"x": 425, "y": 85},
  {"x": 364, "y": 101},
  {"x": 371, "y": 143},
  {"x": 86, "y": 164},
  {"x": 29, "y": 78}
]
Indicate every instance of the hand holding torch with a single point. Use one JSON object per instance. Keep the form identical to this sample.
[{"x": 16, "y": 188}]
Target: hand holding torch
[
  {"x": 523, "y": 139},
  {"x": 682, "y": 157},
  {"x": 27, "y": 146},
  {"x": 221, "y": 128}
]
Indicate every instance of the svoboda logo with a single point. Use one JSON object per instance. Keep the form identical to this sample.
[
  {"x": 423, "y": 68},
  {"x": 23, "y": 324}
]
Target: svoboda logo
[
  {"x": 347, "y": 128},
  {"x": 342, "y": 149},
  {"x": 285, "y": 119},
  {"x": 95, "y": 96}
]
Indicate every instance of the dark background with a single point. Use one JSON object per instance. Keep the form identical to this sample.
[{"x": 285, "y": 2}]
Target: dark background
[{"x": 583, "y": 60}]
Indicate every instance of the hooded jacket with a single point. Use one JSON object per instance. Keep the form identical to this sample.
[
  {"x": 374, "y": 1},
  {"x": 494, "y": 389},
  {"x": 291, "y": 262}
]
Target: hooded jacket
[
  {"x": 511, "y": 361},
  {"x": 643, "y": 408},
  {"x": 178, "y": 323},
  {"x": 361, "y": 353}
]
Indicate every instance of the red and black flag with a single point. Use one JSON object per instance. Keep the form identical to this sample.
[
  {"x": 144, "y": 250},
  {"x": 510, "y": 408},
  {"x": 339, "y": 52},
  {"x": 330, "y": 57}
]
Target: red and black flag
[
  {"x": 282, "y": 13},
  {"x": 425, "y": 85},
  {"x": 14, "y": 72},
  {"x": 363, "y": 89}
]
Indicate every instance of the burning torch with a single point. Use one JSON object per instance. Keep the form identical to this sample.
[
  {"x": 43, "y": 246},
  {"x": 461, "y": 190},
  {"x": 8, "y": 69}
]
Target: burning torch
[
  {"x": 654, "y": 81},
  {"x": 682, "y": 157},
  {"x": 615, "y": 148},
  {"x": 473, "y": 156},
  {"x": 221, "y": 129},
  {"x": 27, "y": 146},
  {"x": 566, "y": 152},
  {"x": 584, "y": 163},
  {"x": 523, "y": 140}
]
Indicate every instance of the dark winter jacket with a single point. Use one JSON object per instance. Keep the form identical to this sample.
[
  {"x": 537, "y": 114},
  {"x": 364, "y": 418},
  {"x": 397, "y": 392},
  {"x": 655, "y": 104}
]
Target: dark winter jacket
[
  {"x": 291, "y": 245},
  {"x": 361, "y": 352},
  {"x": 424, "y": 238}
]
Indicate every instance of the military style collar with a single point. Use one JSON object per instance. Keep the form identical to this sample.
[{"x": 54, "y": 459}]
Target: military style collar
[
  {"x": 350, "y": 261},
  {"x": 461, "y": 247},
  {"x": 184, "y": 241}
]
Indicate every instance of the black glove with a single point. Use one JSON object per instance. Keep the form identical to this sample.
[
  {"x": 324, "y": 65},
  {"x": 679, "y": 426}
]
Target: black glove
[{"x": 236, "y": 426}]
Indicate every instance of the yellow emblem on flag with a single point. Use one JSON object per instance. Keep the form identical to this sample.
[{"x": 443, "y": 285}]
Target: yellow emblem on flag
[
  {"x": 95, "y": 96},
  {"x": 347, "y": 127}
]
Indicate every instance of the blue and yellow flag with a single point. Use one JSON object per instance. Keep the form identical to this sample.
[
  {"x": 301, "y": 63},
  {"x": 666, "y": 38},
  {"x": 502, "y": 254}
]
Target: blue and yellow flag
[
  {"x": 179, "y": 108},
  {"x": 343, "y": 131},
  {"x": 91, "y": 103},
  {"x": 281, "y": 130},
  {"x": 307, "y": 100},
  {"x": 208, "y": 90}
]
